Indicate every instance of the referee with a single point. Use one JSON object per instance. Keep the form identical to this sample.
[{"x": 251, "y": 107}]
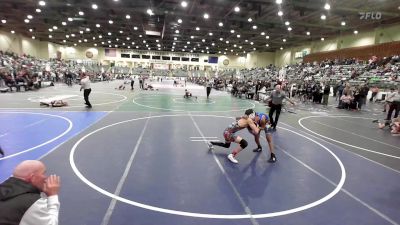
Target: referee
[
  {"x": 85, "y": 85},
  {"x": 208, "y": 87},
  {"x": 276, "y": 100}
]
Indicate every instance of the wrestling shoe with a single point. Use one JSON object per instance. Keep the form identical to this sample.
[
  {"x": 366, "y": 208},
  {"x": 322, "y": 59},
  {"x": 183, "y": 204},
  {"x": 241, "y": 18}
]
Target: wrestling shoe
[
  {"x": 272, "y": 159},
  {"x": 232, "y": 158},
  {"x": 259, "y": 149},
  {"x": 210, "y": 146}
]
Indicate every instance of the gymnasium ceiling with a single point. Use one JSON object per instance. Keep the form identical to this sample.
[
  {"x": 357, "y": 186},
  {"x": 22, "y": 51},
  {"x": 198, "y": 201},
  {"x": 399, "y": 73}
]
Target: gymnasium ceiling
[{"x": 130, "y": 21}]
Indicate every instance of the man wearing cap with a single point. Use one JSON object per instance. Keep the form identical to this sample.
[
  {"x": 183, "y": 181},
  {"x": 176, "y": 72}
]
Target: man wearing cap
[{"x": 231, "y": 136}]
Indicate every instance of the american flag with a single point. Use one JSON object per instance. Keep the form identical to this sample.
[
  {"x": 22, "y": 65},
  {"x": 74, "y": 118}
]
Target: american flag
[{"x": 110, "y": 52}]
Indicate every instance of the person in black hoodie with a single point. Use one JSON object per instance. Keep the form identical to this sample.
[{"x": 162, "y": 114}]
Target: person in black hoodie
[{"x": 21, "y": 199}]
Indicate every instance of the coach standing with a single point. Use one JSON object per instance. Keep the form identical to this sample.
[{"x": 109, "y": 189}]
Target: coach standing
[{"x": 85, "y": 85}]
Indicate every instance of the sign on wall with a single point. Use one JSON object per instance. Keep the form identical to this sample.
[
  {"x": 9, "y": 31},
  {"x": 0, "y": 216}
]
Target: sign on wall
[{"x": 299, "y": 55}]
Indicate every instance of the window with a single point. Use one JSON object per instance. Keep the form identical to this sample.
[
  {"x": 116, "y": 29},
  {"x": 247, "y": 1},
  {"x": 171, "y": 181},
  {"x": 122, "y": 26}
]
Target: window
[
  {"x": 194, "y": 59},
  {"x": 176, "y": 58},
  {"x": 125, "y": 56},
  {"x": 206, "y": 60},
  {"x": 156, "y": 57},
  {"x": 166, "y": 58},
  {"x": 135, "y": 56},
  {"x": 185, "y": 59},
  {"x": 145, "y": 57}
]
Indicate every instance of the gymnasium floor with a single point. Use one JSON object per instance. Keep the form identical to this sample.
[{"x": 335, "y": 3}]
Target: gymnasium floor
[{"x": 140, "y": 157}]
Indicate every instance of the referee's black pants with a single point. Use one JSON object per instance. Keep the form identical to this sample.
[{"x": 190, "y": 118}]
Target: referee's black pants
[
  {"x": 86, "y": 94},
  {"x": 272, "y": 109},
  {"x": 208, "y": 91}
]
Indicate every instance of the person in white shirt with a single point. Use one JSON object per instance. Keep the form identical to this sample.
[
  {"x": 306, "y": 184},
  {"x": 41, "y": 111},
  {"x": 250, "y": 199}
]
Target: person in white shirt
[
  {"x": 85, "y": 85},
  {"x": 29, "y": 197}
]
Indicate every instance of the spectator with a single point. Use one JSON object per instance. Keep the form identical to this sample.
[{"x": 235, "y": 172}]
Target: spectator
[
  {"x": 374, "y": 91},
  {"x": 345, "y": 101},
  {"x": 327, "y": 91},
  {"x": 21, "y": 201}
]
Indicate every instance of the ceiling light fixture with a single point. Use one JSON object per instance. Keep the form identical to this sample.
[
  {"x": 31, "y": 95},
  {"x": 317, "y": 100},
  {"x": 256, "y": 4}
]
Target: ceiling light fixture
[
  {"x": 13, "y": 32},
  {"x": 110, "y": 22},
  {"x": 3, "y": 21},
  {"x": 29, "y": 17},
  {"x": 254, "y": 27},
  {"x": 356, "y": 32},
  {"x": 323, "y": 17},
  {"x": 238, "y": 36},
  {"x": 81, "y": 13},
  {"x": 197, "y": 28},
  {"x": 38, "y": 10},
  {"x": 343, "y": 23},
  {"x": 26, "y": 21},
  {"x": 150, "y": 12},
  {"x": 278, "y": 2},
  {"x": 308, "y": 33},
  {"x": 94, "y": 6},
  {"x": 97, "y": 25},
  {"x": 42, "y": 3},
  {"x": 127, "y": 17},
  {"x": 237, "y": 9},
  {"x": 262, "y": 33},
  {"x": 280, "y": 13},
  {"x": 220, "y": 24},
  {"x": 206, "y": 16},
  {"x": 64, "y": 23},
  {"x": 184, "y": 4},
  {"x": 250, "y": 19},
  {"x": 327, "y": 6},
  {"x": 179, "y": 20}
]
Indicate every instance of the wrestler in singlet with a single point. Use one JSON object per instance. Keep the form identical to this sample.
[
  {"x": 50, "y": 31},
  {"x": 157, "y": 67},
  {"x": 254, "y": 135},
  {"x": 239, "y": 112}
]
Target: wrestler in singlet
[{"x": 229, "y": 132}]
